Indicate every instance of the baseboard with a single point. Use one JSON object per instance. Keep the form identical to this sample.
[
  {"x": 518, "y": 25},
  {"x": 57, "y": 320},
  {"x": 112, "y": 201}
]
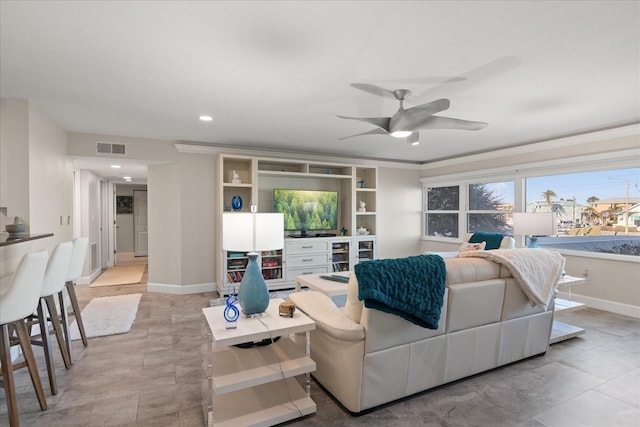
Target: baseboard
[
  {"x": 602, "y": 304},
  {"x": 87, "y": 280},
  {"x": 197, "y": 288}
]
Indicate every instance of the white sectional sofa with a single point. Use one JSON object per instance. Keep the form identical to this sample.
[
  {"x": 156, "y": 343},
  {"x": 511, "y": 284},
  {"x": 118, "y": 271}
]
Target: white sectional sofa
[{"x": 366, "y": 357}]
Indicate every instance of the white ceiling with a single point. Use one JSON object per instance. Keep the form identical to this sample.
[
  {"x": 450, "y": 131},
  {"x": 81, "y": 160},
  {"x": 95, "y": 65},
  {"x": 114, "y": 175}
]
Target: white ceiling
[{"x": 274, "y": 74}]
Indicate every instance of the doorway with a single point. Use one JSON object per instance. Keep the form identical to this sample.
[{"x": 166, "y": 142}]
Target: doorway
[{"x": 131, "y": 229}]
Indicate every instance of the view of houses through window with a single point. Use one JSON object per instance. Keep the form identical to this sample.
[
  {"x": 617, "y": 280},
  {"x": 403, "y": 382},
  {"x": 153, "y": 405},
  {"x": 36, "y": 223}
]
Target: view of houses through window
[{"x": 594, "y": 211}]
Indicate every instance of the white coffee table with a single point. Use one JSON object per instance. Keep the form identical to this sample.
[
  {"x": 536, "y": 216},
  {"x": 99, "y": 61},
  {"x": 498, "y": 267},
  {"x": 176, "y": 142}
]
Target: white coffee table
[
  {"x": 328, "y": 287},
  {"x": 255, "y": 386}
]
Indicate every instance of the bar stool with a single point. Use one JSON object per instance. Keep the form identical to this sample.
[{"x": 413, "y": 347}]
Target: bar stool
[
  {"x": 52, "y": 286},
  {"x": 78, "y": 255},
  {"x": 20, "y": 301}
]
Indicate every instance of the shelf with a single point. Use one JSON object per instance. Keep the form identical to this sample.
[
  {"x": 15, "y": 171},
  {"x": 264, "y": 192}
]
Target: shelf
[
  {"x": 228, "y": 185},
  {"x": 236, "y": 368},
  {"x": 563, "y": 331},
  {"x": 266, "y": 404}
]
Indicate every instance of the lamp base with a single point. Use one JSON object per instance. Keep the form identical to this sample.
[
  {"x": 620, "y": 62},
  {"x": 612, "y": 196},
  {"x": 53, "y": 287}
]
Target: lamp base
[
  {"x": 533, "y": 242},
  {"x": 253, "y": 295}
]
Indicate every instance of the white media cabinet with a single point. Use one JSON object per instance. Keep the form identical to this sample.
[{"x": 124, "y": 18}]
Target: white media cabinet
[{"x": 255, "y": 179}]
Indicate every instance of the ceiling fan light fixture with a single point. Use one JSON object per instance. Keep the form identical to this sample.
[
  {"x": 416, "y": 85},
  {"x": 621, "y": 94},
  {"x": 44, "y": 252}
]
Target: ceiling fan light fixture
[{"x": 401, "y": 133}]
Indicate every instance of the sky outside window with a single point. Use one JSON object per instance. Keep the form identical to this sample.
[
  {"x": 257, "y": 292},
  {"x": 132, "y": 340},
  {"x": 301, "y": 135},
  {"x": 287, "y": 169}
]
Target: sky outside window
[{"x": 603, "y": 185}]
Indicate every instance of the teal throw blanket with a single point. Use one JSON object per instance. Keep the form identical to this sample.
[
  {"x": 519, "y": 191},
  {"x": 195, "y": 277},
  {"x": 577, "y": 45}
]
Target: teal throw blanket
[
  {"x": 412, "y": 287},
  {"x": 494, "y": 240}
]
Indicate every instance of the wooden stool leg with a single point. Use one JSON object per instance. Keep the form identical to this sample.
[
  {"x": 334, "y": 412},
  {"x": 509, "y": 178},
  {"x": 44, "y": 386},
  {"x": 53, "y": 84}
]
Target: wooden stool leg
[
  {"x": 7, "y": 377},
  {"x": 57, "y": 329},
  {"x": 64, "y": 316},
  {"x": 30, "y": 360},
  {"x": 76, "y": 311},
  {"x": 46, "y": 346}
]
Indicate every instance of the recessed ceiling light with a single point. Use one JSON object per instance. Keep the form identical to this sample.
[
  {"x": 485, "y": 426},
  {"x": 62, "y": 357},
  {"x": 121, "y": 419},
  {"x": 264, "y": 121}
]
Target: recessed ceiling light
[
  {"x": 126, "y": 178},
  {"x": 116, "y": 166},
  {"x": 205, "y": 118}
]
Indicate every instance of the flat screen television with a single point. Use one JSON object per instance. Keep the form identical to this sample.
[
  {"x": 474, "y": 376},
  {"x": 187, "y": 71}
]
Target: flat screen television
[{"x": 307, "y": 210}]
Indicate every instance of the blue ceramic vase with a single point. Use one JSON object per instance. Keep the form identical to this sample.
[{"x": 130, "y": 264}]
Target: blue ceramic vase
[
  {"x": 253, "y": 295},
  {"x": 236, "y": 203}
]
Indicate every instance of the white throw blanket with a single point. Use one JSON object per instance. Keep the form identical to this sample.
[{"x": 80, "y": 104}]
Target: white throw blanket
[{"x": 537, "y": 271}]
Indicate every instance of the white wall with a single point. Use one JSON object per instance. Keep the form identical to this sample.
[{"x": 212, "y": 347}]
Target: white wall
[
  {"x": 399, "y": 211},
  {"x": 90, "y": 219},
  {"x": 50, "y": 178},
  {"x": 14, "y": 160},
  {"x": 165, "y": 227},
  {"x": 37, "y": 179},
  {"x": 197, "y": 201}
]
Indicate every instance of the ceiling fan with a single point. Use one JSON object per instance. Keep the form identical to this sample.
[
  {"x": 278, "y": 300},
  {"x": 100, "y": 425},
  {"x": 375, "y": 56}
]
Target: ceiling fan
[{"x": 407, "y": 123}]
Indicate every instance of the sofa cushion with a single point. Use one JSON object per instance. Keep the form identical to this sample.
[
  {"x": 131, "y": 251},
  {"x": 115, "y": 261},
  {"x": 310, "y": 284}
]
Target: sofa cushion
[
  {"x": 327, "y": 315},
  {"x": 460, "y": 270},
  {"x": 516, "y": 303},
  {"x": 353, "y": 306},
  {"x": 474, "y": 304}
]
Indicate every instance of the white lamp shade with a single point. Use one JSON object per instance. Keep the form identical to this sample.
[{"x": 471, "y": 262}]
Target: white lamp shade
[
  {"x": 249, "y": 232},
  {"x": 269, "y": 231},
  {"x": 534, "y": 224}
]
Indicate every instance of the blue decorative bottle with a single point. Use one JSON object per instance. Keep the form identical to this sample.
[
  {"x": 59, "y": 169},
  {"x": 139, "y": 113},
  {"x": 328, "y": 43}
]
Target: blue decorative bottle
[{"x": 253, "y": 294}]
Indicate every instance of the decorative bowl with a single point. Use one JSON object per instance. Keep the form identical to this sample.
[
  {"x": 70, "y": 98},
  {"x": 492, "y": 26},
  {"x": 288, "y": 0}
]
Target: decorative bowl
[{"x": 15, "y": 229}]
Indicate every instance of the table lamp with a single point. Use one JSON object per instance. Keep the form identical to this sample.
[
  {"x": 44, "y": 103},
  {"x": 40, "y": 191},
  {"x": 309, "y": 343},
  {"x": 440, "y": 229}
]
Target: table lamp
[
  {"x": 252, "y": 232},
  {"x": 534, "y": 224}
]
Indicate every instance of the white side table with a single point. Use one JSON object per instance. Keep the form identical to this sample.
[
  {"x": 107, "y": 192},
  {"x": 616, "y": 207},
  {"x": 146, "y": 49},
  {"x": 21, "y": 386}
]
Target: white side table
[
  {"x": 564, "y": 331},
  {"x": 255, "y": 386}
]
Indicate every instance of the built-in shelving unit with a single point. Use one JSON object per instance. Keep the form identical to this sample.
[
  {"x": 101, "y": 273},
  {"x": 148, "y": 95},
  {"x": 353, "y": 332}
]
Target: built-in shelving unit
[
  {"x": 366, "y": 249},
  {"x": 341, "y": 256},
  {"x": 255, "y": 180}
]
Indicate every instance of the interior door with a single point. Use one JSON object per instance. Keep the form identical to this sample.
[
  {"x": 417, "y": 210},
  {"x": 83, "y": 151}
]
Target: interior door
[{"x": 140, "y": 231}]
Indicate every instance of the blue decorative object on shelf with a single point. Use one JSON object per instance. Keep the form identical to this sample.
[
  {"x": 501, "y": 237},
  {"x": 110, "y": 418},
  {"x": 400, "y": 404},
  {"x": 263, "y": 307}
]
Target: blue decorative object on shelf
[
  {"x": 253, "y": 294},
  {"x": 236, "y": 203}
]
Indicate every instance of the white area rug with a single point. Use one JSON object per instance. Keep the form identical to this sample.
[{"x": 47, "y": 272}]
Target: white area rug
[{"x": 108, "y": 316}]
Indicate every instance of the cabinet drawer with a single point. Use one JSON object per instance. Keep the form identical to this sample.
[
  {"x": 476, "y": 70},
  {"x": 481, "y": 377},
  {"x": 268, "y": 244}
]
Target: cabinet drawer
[
  {"x": 301, "y": 261},
  {"x": 305, "y": 247},
  {"x": 290, "y": 274}
]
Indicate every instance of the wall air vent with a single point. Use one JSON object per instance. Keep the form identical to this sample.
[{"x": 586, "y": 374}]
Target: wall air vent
[{"x": 110, "y": 148}]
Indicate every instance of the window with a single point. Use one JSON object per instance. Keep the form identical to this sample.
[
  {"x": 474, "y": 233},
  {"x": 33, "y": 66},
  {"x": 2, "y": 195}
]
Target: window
[
  {"x": 596, "y": 211},
  {"x": 488, "y": 207},
  {"x": 443, "y": 210}
]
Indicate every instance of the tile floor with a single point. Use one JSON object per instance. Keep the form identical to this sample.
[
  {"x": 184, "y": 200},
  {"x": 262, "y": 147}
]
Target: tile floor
[{"x": 150, "y": 377}]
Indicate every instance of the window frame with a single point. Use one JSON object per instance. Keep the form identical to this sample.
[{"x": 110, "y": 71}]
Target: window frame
[{"x": 624, "y": 159}]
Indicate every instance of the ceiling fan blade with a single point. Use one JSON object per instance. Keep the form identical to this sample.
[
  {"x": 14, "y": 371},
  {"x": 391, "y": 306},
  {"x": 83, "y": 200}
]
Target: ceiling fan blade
[
  {"x": 376, "y": 131},
  {"x": 416, "y": 118},
  {"x": 430, "y": 107},
  {"x": 437, "y": 122},
  {"x": 414, "y": 138},
  {"x": 381, "y": 122},
  {"x": 374, "y": 90}
]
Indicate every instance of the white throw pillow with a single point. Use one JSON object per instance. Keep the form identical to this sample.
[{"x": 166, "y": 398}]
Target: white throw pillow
[{"x": 468, "y": 247}]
